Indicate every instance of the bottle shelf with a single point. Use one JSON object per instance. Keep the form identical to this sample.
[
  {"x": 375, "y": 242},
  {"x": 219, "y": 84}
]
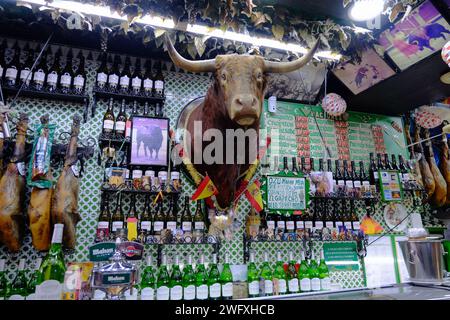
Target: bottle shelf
[
  {"x": 127, "y": 190},
  {"x": 105, "y": 140},
  {"x": 326, "y": 198}
]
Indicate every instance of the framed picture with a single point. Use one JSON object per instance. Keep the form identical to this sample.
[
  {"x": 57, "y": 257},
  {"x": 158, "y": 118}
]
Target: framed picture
[
  {"x": 362, "y": 76},
  {"x": 421, "y": 34},
  {"x": 149, "y": 141}
]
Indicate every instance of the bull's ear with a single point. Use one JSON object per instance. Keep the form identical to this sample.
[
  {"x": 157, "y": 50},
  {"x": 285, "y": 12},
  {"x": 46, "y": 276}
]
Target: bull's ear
[
  {"x": 188, "y": 65},
  {"x": 284, "y": 67}
]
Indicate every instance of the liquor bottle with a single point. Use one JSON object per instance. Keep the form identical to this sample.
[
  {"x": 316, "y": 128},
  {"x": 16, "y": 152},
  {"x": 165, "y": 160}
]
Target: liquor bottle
[
  {"x": 163, "y": 282},
  {"x": 114, "y": 74},
  {"x": 159, "y": 220},
  {"x": 102, "y": 72},
  {"x": 3, "y": 47},
  {"x": 67, "y": 74},
  {"x": 387, "y": 163},
  {"x": 354, "y": 175},
  {"x": 118, "y": 218},
  {"x": 293, "y": 286},
  {"x": 159, "y": 81},
  {"x": 188, "y": 280},
  {"x": 148, "y": 78},
  {"x": 171, "y": 218},
  {"x": 121, "y": 121},
  {"x": 19, "y": 287},
  {"x": 280, "y": 224},
  {"x": 108, "y": 118},
  {"x": 148, "y": 281},
  {"x": 394, "y": 163},
  {"x": 324, "y": 274},
  {"x": 132, "y": 221},
  {"x": 54, "y": 72},
  {"x": 314, "y": 274},
  {"x": 125, "y": 76},
  {"x": 201, "y": 278},
  {"x": 339, "y": 174},
  {"x": 364, "y": 178},
  {"x": 252, "y": 277},
  {"x": 347, "y": 177},
  {"x": 214, "y": 285},
  {"x": 186, "y": 217},
  {"x": 294, "y": 166},
  {"x": 146, "y": 218},
  {"x": 303, "y": 275},
  {"x": 199, "y": 222},
  {"x": 25, "y": 76},
  {"x": 226, "y": 279},
  {"x": 4, "y": 284},
  {"x": 176, "y": 279},
  {"x": 290, "y": 223},
  {"x": 373, "y": 171},
  {"x": 321, "y": 167},
  {"x": 267, "y": 276},
  {"x": 285, "y": 169},
  {"x": 279, "y": 276},
  {"x": 102, "y": 233},
  {"x": 380, "y": 164},
  {"x": 404, "y": 173},
  {"x": 53, "y": 266},
  {"x": 136, "y": 78},
  {"x": 79, "y": 80},
  {"x": 12, "y": 68},
  {"x": 34, "y": 279},
  {"x": 40, "y": 73},
  {"x": 303, "y": 165}
]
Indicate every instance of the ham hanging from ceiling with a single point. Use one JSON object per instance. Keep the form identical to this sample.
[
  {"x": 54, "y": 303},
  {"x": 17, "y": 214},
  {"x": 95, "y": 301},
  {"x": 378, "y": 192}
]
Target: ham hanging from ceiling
[
  {"x": 427, "y": 176},
  {"x": 444, "y": 165},
  {"x": 415, "y": 169},
  {"x": 440, "y": 191}
]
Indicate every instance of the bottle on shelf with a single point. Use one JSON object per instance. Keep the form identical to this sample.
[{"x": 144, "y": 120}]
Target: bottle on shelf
[
  {"x": 158, "y": 109},
  {"x": 146, "y": 219},
  {"x": 34, "y": 278},
  {"x": 148, "y": 78},
  {"x": 293, "y": 285},
  {"x": 339, "y": 174},
  {"x": 118, "y": 218},
  {"x": 201, "y": 280},
  {"x": 79, "y": 79},
  {"x": 387, "y": 163},
  {"x": 298, "y": 221},
  {"x": 163, "y": 281},
  {"x": 281, "y": 224},
  {"x": 148, "y": 281},
  {"x": 109, "y": 118},
  {"x": 54, "y": 72},
  {"x": 40, "y": 73},
  {"x": 121, "y": 120},
  {"x": 267, "y": 276},
  {"x": 354, "y": 175},
  {"x": 199, "y": 222},
  {"x": 53, "y": 266},
  {"x": 279, "y": 276},
  {"x": 186, "y": 217},
  {"x": 324, "y": 274},
  {"x": 132, "y": 221},
  {"x": 314, "y": 274},
  {"x": 12, "y": 68},
  {"x": 114, "y": 74},
  {"x": 67, "y": 74},
  {"x": 303, "y": 274},
  {"x": 226, "y": 279},
  {"x": 214, "y": 285},
  {"x": 290, "y": 223},
  {"x": 146, "y": 110},
  {"x": 25, "y": 69},
  {"x": 171, "y": 218},
  {"x": 252, "y": 277},
  {"x": 347, "y": 177},
  {"x": 19, "y": 286},
  {"x": 294, "y": 166},
  {"x": 303, "y": 165},
  {"x": 373, "y": 170},
  {"x": 363, "y": 177},
  {"x": 394, "y": 163},
  {"x": 136, "y": 78},
  {"x": 329, "y": 167},
  {"x": 285, "y": 168},
  {"x": 404, "y": 172},
  {"x": 380, "y": 164},
  {"x": 129, "y": 121},
  {"x": 102, "y": 233},
  {"x": 188, "y": 280},
  {"x": 125, "y": 76},
  {"x": 102, "y": 72},
  {"x": 159, "y": 221},
  {"x": 321, "y": 167},
  {"x": 176, "y": 279},
  {"x": 159, "y": 82},
  {"x": 4, "y": 284}
]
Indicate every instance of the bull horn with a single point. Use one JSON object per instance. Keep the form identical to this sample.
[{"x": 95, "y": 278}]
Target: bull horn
[
  {"x": 188, "y": 65},
  {"x": 283, "y": 67}
]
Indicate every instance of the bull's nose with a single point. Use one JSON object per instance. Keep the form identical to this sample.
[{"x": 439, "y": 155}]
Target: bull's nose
[{"x": 245, "y": 101}]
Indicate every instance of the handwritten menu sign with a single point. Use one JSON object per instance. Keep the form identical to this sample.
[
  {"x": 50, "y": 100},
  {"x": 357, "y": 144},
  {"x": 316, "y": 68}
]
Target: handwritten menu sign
[{"x": 286, "y": 193}]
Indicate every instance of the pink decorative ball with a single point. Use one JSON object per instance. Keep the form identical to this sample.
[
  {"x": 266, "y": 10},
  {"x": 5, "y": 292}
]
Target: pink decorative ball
[
  {"x": 334, "y": 105},
  {"x": 446, "y": 53}
]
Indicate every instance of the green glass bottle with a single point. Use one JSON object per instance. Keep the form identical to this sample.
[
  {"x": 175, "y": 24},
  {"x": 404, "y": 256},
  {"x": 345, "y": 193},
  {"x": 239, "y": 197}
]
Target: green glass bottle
[
  {"x": 226, "y": 279},
  {"x": 4, "y": 284},
  {"x": 279, "y": 276},
  {"x": 267, "y": 275},
  {"x": 35, "y": 276},
  {"x": 324, "y": 274},
  {"x": 214, "y": 286},
  {"x": 175, "y": 284},
  {"x": 201, "y": 277},
  {"x": 148, "y": 281},
  {"x": 314, "y": 274},
  {"x": 293, "y": 285},
  {"x": 53, "y": 266},
  {"x": 162, "y": 284},
  {"x": 18, "y": 289},
  {"x": 303, "y": 275},
  {"x": 252, "y": 277},
  {"x": 188, "y": 281}
]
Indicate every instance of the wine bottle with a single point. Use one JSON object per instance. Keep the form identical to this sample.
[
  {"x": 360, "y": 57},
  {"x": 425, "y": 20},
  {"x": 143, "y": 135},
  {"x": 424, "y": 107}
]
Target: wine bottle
[
  {"x": 136, "y": 78},
  {"x": 40, "y": 74},
  {"x": 293, "y": 285},
  {"x": 125, "y": 76},
  {"x": 303, "y": 165},
  {"x": 114, "y": 74},
  {"x": 159, "y": 221},
  {"x": 121, "y": 121},
  {"x": 148, "y": 78},
  {"x": 53, "y": 266},
  {"x": 4, "y": 284},
  {"x": 308, "y": 220},
  {"x": 108, "y": 118},
  {"x": 102, "y": 72},
  {"x": 394, "y": 163},
  {"x": 303, "y": 275},
  {"x": 380, "y": 164},
  {"x": 199, "y": 222},
  {"x": 270, "y": 221},
  {"x": 252, "y": 277},
  {"x": 294, "y": 166},
  {"x": 118, "y": 218},
  {"x": 128, "y": 123},
  {"x": 404, "y": 172},
  {"x": 214, "y": 285},
  {"x": 201, "y": 278},
  {"x": 347, "y": 177},
  {"x": 148, "y": 281},
  {"x": 159, "y": 81},
  {"x": 339, "y": 174},
  {"x": 12, "y": 68},
  {"x": 25, "y": 73},
  {"x": 19, "y": 287},
  {"x": 146, "y": 218},
  {"x": 324, "y": 274},
  {"x": 188, "y": 281},
  {"x": 171, "y": 218},
  {"x": 132, "y": 221},
  {"x": 79, "y": 80},
  {"x": 298, "y": 221},
  {"x": 186, "y": 217},
  {"x": 175, "y": 284},
  {"x": 364, "y": 178},
  {"x": 281, "y": 224},
  {"x": 285, "y": 169},
  {"x": 226, "y": 279},
  {"x": 158, "y": 109},
  {"x": 67, "y": 74},
  {"x": 354, "y": 175},
  {"x": 34, "y": 279},
  {"x": 146, "y": 110},
  {"x": 163, "y": 282},
  {"x": 387, "y": 163},
  {"x": 279, "y": 276},
  {"x": 314, "y": 274},
  {"x": 102, "y": 233},
  {"x": 373, "y": 170},
  {"x": 321, "y": 167},
  {"x": 267, "y": 276},
  {"x": 54, "y": 72}
]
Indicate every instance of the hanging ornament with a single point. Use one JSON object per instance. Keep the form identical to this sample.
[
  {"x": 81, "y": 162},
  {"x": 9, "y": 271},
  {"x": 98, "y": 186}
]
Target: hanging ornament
[
  {"x": 446, "y": 53},
  {"x": 427, "y": 119},
  {"x": 334, "y": 105}
]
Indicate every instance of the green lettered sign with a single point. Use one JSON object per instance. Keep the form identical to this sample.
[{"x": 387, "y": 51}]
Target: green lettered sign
[
  {"x": 341, "y": 256},
  {"x": 101, "y": 251},
  {"x": 116, "y": 279}
]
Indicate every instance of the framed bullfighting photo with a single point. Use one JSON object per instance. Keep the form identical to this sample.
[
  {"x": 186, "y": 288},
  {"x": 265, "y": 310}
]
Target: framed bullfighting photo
[{"x": 149, "y": 141}]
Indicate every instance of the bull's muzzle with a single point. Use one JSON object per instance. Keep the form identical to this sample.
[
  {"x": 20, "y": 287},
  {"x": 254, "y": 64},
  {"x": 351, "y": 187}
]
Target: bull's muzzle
[{"x": 245, "y": 109}]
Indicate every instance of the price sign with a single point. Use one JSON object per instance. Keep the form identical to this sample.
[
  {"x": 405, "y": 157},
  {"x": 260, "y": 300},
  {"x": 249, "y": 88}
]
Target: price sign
[
  {"x": 390, "y": 186},
  {"x": 341, "y": 256}
]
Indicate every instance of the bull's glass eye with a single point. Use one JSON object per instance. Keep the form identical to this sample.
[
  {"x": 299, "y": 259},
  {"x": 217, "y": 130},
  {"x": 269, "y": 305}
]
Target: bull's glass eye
[{"x": 224, "y": 77}]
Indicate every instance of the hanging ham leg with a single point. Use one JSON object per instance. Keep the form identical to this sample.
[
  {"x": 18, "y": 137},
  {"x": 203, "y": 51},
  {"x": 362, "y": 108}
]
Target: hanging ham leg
[
  {"x": 12, "y": 187},
  {"x": 427, "y": 176},
  {"x": 65, "y": 197},
  {"x": 440, "y": 191},
  {"x": 39, "y": 212},
  {"x": 415, "y": 170},
  {"x": 444, "y": 165}
]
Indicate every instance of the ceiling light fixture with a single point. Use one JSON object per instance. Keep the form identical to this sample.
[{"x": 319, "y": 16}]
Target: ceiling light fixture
[
  {"x": 364, "y": 10},
  {"x": 160, "y": 22}
]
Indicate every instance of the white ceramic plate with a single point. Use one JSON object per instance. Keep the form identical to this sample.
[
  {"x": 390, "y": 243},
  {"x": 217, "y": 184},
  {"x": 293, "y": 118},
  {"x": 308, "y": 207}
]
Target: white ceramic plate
[{"x": 393, "y": 214}]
